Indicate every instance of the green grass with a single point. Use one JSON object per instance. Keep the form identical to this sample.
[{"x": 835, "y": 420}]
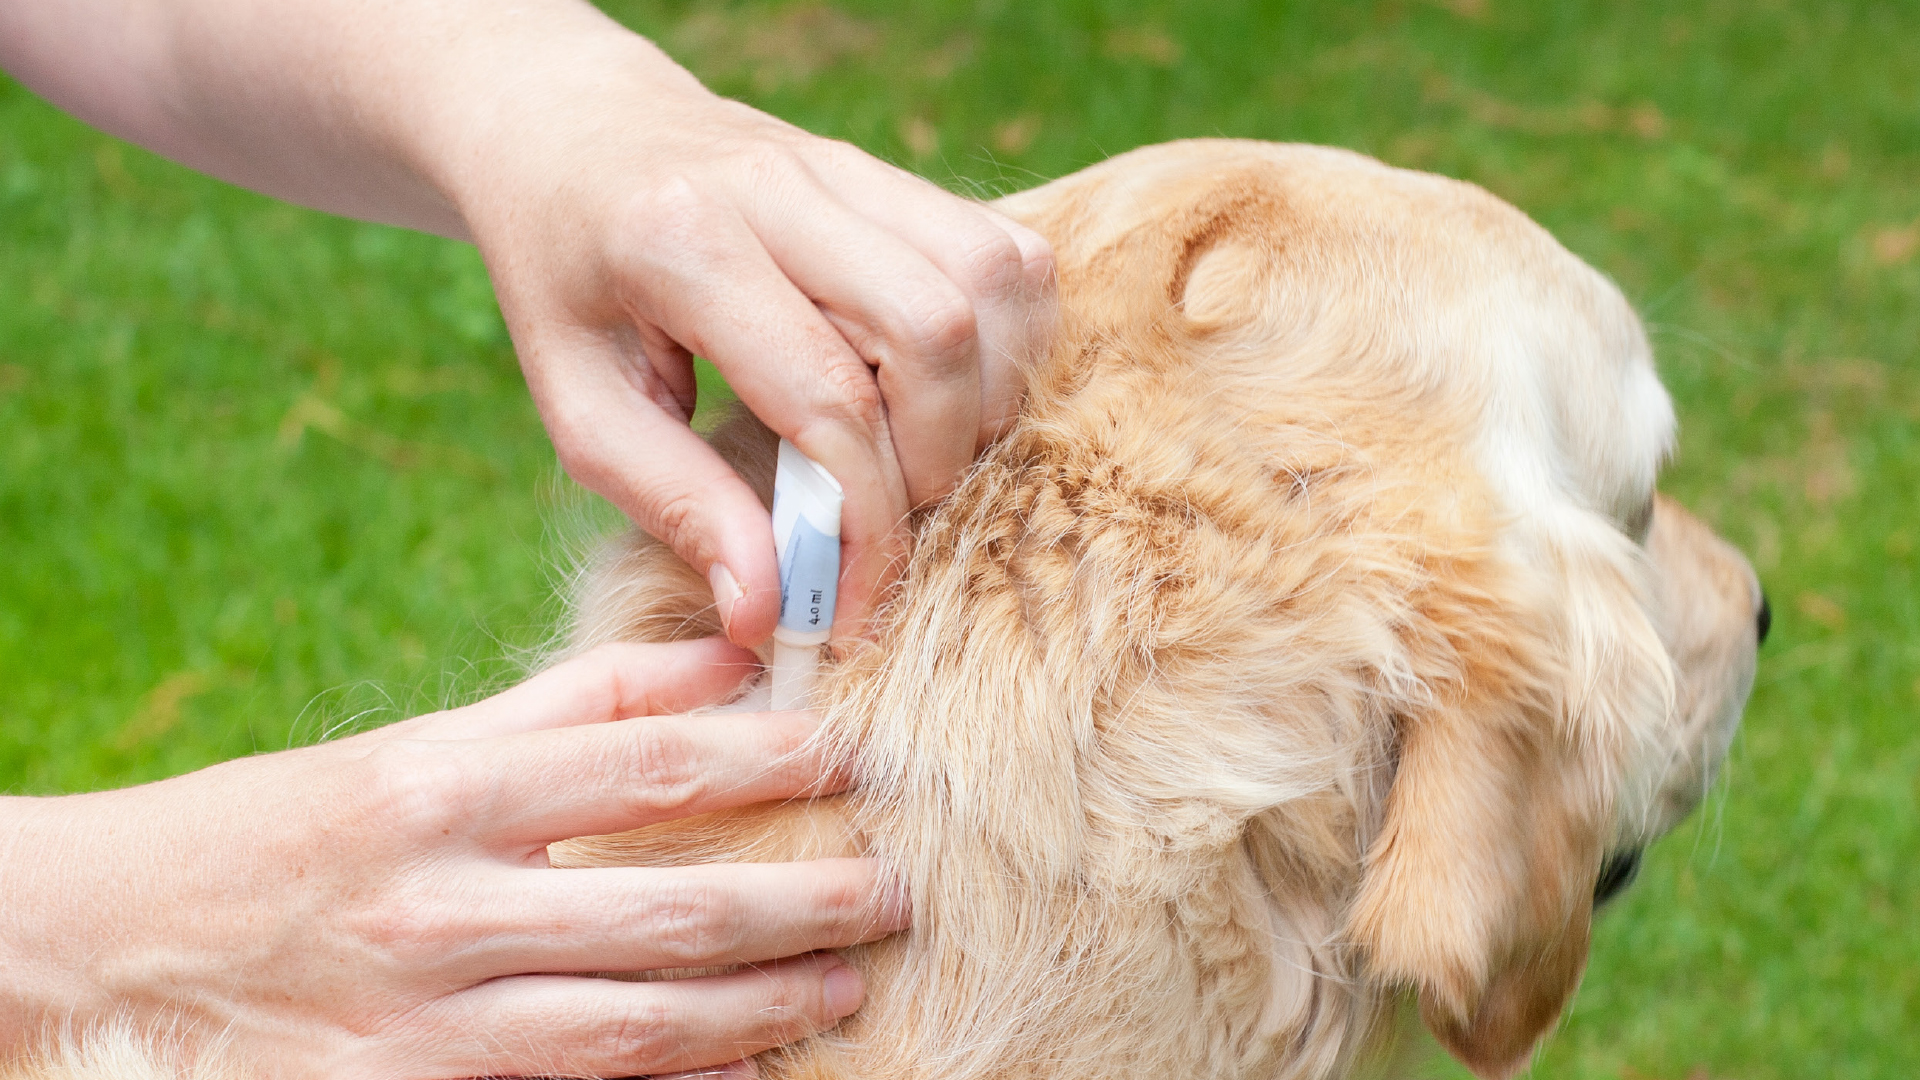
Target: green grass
[{"x": 263, "y": 473}]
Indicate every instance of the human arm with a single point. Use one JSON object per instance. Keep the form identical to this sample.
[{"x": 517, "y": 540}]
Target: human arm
[
  {"x": 381, "y": 905},
  {"x": 629, "y": 219}
]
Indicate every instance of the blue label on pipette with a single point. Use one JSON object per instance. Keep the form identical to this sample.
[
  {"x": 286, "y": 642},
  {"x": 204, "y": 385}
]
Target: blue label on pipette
[{"x": 809, "y": 575}]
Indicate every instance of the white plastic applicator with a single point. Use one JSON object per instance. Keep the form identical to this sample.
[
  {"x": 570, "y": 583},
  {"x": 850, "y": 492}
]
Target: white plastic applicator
[{"x": 806, "y": 536}]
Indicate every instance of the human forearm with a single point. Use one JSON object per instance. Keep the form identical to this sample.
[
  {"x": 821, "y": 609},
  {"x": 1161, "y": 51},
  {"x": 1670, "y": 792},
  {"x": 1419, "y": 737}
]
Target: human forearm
[
  {"x": 41, "y": 843},
  {"x": 379, "y": 110}
]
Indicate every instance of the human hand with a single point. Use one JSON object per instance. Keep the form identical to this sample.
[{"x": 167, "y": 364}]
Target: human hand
[
  {"x": 381, "y": 906},
  {"x": 631, "y": 219}
]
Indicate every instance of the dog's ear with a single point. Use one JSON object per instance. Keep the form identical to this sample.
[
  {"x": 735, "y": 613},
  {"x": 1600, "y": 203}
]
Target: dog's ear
[{"x": 1478, "y": 890}]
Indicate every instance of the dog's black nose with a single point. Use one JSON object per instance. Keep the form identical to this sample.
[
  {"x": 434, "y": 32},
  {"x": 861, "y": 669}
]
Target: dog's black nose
[
  {"x": 1616, "y": 873},
  {"x": 1763, "y": 621}
]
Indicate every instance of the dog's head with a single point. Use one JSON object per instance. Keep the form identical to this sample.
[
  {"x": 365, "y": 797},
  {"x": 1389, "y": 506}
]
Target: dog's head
[
  {"x": 1314, "y": 634},
  {"x": 1584, "y": 648}
]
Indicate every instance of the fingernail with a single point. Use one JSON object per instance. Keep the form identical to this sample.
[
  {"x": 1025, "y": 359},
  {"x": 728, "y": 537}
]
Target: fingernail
[
  {"x": 842, "y": 990},
  {"x": 725, "y": 591}
]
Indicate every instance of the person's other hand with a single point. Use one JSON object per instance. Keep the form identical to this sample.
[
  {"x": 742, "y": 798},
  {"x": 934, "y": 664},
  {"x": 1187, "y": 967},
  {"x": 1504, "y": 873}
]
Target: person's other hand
[
  {"x": 631, "y": 219},
  {"x": 382, "y": 905}
]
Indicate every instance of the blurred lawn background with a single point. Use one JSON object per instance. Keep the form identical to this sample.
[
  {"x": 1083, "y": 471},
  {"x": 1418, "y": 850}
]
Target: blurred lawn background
[{"x": 264, "y": 473}]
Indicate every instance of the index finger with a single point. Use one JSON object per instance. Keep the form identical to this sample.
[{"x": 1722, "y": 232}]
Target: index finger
[
  {"x": 730, "y": 302},
  {"x": 612, "y": 682},
  {"x": 526, "y": 791}
]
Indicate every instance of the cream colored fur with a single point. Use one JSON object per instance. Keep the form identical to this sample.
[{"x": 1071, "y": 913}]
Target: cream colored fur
[
  {"x": 120, "y": 1050},
  {"x": 1307, "y": 643}
]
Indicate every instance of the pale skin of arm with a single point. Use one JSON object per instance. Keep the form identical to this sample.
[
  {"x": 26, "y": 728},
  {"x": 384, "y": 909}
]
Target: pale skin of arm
[{"x": 378, "y": 902}]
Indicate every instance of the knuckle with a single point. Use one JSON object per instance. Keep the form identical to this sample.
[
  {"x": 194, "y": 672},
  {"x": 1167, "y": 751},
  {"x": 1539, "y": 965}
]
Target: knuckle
[
  {"x": 668, "y": 208},
  {"x": 406, "y": 786},
  {"x": 638, "y": 1036},
  {"x": 771, "y": 164},
  {"x": 939, "y": 334},
  {"x": 692, "y": 922},
  {"x": 664, "y": 230},
  {"x": 1037, "y": 266},
  {"x": 994, "y": 265},
  {"x": 795, "y": 1006},
  {"x": 662, "y": 773},
  {"x": 849, "y": 897},
  {"x": 602, "y": 672},
  {"x": 851, "y": 393},
  {"x": 677, "y": 516},
  {"x": 407, "y": 931}
]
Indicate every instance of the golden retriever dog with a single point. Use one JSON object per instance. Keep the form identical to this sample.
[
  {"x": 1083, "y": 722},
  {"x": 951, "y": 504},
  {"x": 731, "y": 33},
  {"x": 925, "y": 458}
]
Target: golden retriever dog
[{"x": 1314, "y": 641}]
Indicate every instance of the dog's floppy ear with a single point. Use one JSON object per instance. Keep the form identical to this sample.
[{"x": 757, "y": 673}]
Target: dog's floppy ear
[{"x": 1478, "y": 889}]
